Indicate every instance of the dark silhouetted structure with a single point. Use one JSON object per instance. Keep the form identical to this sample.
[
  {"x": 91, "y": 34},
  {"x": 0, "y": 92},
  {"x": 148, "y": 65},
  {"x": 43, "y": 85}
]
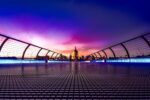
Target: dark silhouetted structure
[{"x": 75, "y": 55}]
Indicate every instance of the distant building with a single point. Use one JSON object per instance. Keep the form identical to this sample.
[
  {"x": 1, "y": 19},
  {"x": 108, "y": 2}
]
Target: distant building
[
  {"x": 75, "y": 55},
  {"x": 42, "y": 57}
]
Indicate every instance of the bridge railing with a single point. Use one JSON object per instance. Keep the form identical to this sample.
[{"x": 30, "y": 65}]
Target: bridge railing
[
  {"x": 135, "y": 47},
  {"x": 11, "y": 47}
]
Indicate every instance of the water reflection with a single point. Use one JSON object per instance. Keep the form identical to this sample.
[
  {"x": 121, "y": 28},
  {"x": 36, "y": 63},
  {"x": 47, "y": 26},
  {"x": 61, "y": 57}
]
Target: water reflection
[
  {"x": 75, "y": 67},
  {"x": 90, "y": 69}
]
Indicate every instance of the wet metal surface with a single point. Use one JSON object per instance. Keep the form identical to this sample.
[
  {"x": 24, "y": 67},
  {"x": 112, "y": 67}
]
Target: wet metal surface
[{"x": 75, "y": 81}]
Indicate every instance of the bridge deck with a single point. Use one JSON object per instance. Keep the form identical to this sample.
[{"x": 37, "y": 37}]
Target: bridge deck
[{"x": 75, "y": 81}]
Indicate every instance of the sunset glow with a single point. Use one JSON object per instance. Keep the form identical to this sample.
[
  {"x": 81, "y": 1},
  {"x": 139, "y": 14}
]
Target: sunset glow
[{"x": 61, "y": 26}]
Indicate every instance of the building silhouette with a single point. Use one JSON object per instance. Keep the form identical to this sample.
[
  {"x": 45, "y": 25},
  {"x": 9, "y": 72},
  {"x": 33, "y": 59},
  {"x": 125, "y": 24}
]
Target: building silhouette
[{"x": 75, "y": 55}]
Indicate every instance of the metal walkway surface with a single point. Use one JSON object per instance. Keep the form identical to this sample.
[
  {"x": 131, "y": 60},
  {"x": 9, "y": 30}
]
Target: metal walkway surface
[{"x": 75, "y": 81}]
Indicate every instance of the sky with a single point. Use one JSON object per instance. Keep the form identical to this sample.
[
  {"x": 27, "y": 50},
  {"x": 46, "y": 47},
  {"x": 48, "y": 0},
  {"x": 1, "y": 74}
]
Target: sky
[{"x": 60, "y": 25}]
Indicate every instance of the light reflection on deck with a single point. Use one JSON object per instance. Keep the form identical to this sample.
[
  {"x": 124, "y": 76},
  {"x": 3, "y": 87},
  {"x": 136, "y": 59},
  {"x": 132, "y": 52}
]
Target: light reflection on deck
[{"x": 75, "y": 80}]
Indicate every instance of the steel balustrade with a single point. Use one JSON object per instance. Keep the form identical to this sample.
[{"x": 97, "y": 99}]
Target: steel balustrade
[
  {"x": 7, "y": 38},
  {"x": 122, "y": 44}
]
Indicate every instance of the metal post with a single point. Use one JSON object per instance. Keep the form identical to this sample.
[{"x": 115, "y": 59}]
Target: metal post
[
  {"x": 104, "y": 53},
  {"x": 38, "y": 52},
  {"x": 92, "y": 56},
  {"x": 23, "y": 54},
  {"x": 128, "y": 55},
  {"x": 147, "y": 42},
  {"x": 52, "y": 54},
  {"x": 59, "y": 56},
  {"x": 56, "y": 55},
  {"x": 95, "y": 55},
  {"x": 99, "y": 54},
  {"x": 113, "y": 52},
  {"x": 47, "y": 52},
  {"x": 3, "y": 43}
]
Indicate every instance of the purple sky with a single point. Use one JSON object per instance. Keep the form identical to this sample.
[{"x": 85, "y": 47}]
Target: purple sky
[{"x": 60, "y": 25}]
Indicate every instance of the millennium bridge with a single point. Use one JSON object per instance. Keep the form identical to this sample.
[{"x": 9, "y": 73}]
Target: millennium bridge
[{"x": 121, "y": 71}]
